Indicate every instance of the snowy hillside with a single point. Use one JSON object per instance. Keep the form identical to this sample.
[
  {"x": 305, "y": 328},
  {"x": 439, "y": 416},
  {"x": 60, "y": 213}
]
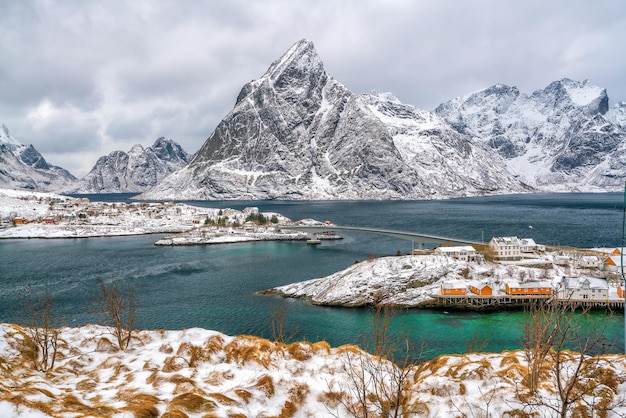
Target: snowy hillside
[
  {"x": 23, "y": 167},
  {"x": 201, "y": 373}
]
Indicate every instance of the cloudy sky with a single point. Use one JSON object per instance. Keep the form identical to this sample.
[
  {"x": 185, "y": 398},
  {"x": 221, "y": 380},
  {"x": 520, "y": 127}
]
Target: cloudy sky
[{"x": 82, "y": 78}]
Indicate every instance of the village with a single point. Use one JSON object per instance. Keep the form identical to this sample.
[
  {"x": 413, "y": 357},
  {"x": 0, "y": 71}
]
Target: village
[
  {"x": 590, "y": 277},
  {"x": 587, "y": 277}
]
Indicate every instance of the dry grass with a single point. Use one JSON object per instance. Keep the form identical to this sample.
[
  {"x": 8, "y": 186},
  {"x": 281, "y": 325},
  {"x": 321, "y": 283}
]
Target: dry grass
[
  {"x": 244, "y": 395},
  {"x": 431, "y": 366},
  {"x": 288, "y": 410},
  {"x": 173, "y": 364},
  {"x": 104, "y": 345},
  {"x": 266, "y": 385},
  {"x": 223, "y": 399},
  {"x": 191, "y": 403},
  {"x": 321, "y": 347},
  {"x": 246, "y": 348},
  {"x": 301, "y": 351},
  {"x": 331, "y": 399},
  {"x": 214, "y": 344}
]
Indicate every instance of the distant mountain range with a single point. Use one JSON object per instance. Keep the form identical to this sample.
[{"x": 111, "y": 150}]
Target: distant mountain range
[
  {"x": 296, "y": 133},
  {"x": 135, "y": 171},
  {"x": 23, "y": 167}
]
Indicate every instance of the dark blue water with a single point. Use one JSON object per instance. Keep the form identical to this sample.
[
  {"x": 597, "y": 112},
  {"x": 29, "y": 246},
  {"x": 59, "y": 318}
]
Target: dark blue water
[{"x": 215, "y": 287}]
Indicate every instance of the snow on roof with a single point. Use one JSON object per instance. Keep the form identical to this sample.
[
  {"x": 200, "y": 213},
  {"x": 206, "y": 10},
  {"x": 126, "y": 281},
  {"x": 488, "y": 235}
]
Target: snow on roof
[
  {"x": 506, "y": 240},
  {"x": 454, "y": 249},
  {"x": 528, "y": 285},
  {"x": 528, "y": 242},
  {"x": 577, "y": 282}
]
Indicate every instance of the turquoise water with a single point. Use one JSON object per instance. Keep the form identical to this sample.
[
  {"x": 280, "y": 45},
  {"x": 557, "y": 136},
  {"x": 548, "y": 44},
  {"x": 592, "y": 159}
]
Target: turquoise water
[{"x": 216, "y": 287}]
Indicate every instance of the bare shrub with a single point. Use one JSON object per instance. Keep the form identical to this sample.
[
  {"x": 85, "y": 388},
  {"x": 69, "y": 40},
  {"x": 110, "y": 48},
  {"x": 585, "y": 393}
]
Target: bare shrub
[
  {"x": 41, "y": 342},
  {"x": 119, "y": 311}
]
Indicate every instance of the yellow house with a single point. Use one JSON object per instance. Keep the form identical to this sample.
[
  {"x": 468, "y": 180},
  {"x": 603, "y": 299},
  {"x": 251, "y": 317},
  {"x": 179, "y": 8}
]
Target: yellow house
[
  {"x": 528, "y": 288},
  {"x": 453, "y": 288},
  {"x": 481, "y": 289}
]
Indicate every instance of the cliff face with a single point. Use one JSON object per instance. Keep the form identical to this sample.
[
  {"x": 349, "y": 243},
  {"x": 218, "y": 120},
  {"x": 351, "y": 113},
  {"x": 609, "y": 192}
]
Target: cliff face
[
  {"x": 296, "y": 133},
  {"x": 135, "y": 171},
  {"x": 23, "y": 167},
  {"x": 562, "y": 137}
]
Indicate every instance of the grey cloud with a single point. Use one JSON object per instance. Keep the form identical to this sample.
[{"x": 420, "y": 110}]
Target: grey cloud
[{"x": 119, "y": 73}]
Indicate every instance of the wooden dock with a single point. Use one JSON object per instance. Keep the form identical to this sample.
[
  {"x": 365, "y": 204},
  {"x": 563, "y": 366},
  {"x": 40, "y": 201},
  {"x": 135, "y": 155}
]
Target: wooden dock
[{"x": 472, "y": 301}]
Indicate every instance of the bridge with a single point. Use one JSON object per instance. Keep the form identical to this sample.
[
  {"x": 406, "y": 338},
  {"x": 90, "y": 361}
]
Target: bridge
[{"x": 422, "y": 240}]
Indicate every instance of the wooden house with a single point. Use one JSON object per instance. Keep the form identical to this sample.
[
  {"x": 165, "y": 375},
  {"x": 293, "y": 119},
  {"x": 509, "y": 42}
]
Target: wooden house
[
  {"x": 463, "y": 253},
  {"x": 481, "y": 288},
  {"x": 505, "y": 248},
  {"x": 589, "y": 262},
  {"x": 528, "y": 288},
  {"x": 613, "y": 263},
  {"x": 454, "y": 288},
  {"x": 587, "y": 288}
]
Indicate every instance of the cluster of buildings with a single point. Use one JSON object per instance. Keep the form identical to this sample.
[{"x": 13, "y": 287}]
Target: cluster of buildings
[{"x": 513, "y": 250}]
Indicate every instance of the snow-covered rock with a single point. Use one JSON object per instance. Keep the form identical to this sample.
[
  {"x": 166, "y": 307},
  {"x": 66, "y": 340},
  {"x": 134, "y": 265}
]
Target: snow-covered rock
[
  {"x": 23, "y": 167},
  {"x": 135, "y": 171},
  {"x": 558, "y": 138},
  {"x": 296, "y": 133}
]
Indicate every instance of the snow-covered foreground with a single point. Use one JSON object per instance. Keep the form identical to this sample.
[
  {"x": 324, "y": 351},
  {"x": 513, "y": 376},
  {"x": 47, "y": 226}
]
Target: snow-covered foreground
[{"x": 202, "y": 373}]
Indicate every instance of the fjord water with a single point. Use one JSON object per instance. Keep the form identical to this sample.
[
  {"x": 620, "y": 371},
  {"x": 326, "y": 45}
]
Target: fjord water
[{"x": 215, "y": 287}]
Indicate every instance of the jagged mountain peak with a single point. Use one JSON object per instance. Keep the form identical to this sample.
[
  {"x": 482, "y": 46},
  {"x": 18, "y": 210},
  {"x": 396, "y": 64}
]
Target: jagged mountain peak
[
  {"x": 566, "y": 93},
  {"x": 300, "y": 66},
  {"x": 296, "y": 133},
  {"x": 135, "y": 171},
  {"x": 6, "y": 138},
  {"x": 23, "y": 167}
]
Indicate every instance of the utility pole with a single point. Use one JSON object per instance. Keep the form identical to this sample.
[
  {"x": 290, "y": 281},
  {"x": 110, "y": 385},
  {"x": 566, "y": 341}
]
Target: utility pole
[{"x": 622, "y": 260}]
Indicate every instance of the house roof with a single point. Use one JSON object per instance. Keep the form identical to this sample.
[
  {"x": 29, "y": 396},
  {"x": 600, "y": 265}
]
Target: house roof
[
  {"x": 454, "y": 285},
  {"x": 456, "y": 249},
  {"x": 528, "y": 242},
  {"x": 577, "y": 282},
  {"x": 614, "y": 260},
  {"x": 607, "y": 250},
  {"x": 529, "y": 285},
  {"x": 506, "y": 240}
]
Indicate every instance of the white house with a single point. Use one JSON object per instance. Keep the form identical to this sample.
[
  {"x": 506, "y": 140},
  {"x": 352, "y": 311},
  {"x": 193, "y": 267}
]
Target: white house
[
  {"x": 613, "y": 263},
  {"x": 588, "y": 288},
  {"x": 528, "y": 245},
  {"x": 589, "y": 262},
  {"x": 463, "y": 253},
  {"x": 506, "y": 248}
]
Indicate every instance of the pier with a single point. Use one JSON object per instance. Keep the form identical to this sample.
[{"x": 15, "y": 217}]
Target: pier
[{"x": 514, "y": 301}]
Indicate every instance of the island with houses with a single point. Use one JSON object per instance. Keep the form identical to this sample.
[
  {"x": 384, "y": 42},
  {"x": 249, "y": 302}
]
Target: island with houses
[
  {"x": 508, "y": 272},
  {"x": 505, "y": 272}
]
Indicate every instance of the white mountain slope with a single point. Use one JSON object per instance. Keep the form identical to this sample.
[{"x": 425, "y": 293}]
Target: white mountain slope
[
  {"x": 296, "y": 133},
  {"x": 558, "y": 138},
  {"x": 23, "y": 167},
  {"x": 135, "y": 171}
]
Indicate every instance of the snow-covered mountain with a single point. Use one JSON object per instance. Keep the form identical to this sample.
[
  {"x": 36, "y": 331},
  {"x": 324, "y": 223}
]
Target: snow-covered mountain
[
  {"x": 23, "y": 167},
  {"x": 562, "y": 137},
  {"x": 296, "y": 133},
  {"x": 135, "y": 171}
]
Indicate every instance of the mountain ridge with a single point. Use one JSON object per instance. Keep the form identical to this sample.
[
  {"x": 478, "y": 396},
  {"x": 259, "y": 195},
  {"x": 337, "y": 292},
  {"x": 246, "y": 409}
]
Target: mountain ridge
[{"x": 296, "y": 133}]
